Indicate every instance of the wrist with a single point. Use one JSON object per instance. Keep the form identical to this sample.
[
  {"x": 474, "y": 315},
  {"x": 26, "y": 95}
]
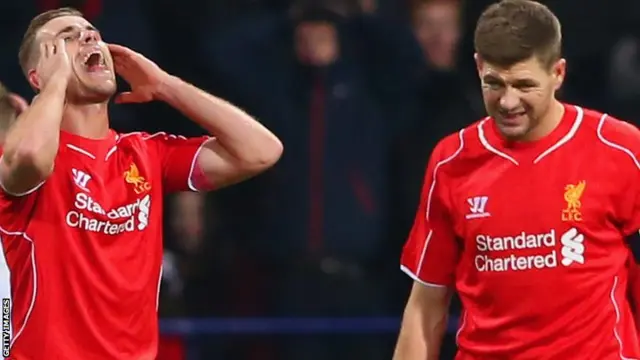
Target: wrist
[
  {"x": 56, "y": 84},
  {"x": 167, "y": 87}
]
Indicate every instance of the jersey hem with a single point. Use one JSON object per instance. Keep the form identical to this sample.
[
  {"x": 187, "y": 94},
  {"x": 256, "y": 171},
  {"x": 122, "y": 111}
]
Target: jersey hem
[
  {"x": 194, "y": 163},
  {"x": 417, "y": 279}
]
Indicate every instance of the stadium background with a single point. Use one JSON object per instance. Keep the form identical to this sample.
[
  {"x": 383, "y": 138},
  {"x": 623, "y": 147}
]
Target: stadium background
[{"x": 301, "y": 263}]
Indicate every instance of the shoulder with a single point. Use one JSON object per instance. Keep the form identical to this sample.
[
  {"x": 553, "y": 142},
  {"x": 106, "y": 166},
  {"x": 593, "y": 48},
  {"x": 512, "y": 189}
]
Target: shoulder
[
  {"x": 459, "y": 145},
  {"x": 620, "y": 137},
  {"x": 160, "y": 139},
  {"x": 145, "y": 142},
  {"x": 147, "y": 137}
]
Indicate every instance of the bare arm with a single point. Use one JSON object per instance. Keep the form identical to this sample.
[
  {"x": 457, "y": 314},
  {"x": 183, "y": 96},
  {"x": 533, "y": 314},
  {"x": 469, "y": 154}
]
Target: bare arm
[
  {"x": 31, "y": 145},
  {"x": 424, "y": 323},
  {"x": 32, "y": 142},
  {"x": 242, "y": 146}
]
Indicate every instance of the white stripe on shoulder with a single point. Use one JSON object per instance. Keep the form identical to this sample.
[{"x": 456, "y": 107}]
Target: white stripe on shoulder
[
  {"x": 609, "y": 143},
  {"x": 438, "y": 165}
]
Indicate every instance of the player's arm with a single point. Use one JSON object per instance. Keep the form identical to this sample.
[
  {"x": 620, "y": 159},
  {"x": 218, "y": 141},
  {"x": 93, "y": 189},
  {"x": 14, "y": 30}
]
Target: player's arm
[
  {"x": 32, "y": 142},
  {"x": 242, "y": 147},
  {"x": 424, "y": 323},
  {"x": 429, "y": 257}
]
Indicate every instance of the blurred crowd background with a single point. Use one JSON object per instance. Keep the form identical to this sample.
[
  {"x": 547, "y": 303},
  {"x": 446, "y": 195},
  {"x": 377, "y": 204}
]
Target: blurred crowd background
[{"x": 359, "y": 91}]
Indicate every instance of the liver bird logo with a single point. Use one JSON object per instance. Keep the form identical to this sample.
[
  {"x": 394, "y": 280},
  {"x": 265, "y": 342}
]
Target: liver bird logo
[
  {"x": 132, "y": 176},
  {"x": 572, "y": 195}
]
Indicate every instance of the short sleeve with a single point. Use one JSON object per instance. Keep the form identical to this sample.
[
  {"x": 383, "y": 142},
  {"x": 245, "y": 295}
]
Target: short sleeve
[
  {"x": 623, "y": 140},
  {"x": 177, "y": 157},
  {"x": 430, "y": 254},
  {"x": 15, "y": 212}
]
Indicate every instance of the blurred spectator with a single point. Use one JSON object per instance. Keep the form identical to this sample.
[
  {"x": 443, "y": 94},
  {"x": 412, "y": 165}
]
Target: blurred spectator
[
  {"x": 319, "y": 219},
  {"x": 448, "y": 99}
]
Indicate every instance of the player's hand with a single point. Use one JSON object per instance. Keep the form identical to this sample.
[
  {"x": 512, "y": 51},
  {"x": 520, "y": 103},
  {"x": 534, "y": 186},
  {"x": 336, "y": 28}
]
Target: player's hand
[
  {"x": 54, "y": 63},
  {"x": 143, "y": 75}
]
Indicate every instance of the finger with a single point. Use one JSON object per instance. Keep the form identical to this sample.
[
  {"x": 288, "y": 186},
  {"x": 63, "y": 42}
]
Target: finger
[
  {"x": 128, "y": 98},
  {"x": 60, "y": 46},
  {"x": 119, "y": 50},
  {"x": 43, "y": 50},
  {"x": 46, "y": 46}
]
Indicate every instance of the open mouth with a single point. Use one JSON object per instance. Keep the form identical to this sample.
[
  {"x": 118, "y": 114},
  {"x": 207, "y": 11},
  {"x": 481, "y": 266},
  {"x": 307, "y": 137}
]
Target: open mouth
[
  {"x": 514, "y": 115},
  {"x": 95, "y": 62}
]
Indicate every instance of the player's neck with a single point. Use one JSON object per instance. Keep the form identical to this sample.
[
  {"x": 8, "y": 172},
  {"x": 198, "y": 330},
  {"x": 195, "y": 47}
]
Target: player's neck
[
  {"x": 548, "y": 123},
  {"x": 89, "y": 121}
]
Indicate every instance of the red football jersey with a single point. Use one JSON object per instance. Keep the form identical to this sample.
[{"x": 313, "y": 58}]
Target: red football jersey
[
  {"x": 85, "y": 248},
  {"x": 531, "y": 235}
]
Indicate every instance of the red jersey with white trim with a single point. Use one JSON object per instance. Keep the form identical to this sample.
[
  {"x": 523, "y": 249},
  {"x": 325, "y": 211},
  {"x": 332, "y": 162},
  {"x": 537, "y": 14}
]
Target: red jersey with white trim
[
  {"x": 85, "y": 248},
  {"x": 531, "y": 235}
]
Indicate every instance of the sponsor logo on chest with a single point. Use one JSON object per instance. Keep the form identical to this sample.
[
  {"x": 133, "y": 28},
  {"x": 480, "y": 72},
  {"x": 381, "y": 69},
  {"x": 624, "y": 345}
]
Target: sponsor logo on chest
[{"x": 88, "y": 214}]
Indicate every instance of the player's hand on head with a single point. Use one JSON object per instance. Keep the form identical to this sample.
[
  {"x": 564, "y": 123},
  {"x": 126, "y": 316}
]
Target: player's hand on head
[
  {"x": 54, "y": 63},
  {"x": 143, "y": 76}
]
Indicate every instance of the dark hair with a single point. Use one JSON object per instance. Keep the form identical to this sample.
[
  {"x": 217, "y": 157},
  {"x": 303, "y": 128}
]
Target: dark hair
[
  {"x": 27, "y": 47},
  {"x": 512, "y": 31}
]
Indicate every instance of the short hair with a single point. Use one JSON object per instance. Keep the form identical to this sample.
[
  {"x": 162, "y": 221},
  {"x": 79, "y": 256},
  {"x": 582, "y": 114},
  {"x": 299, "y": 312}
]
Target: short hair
[
  {"x": 27, "y": 47},
  {"x": 512, "y": 31},
  {"x": 8, "y": 112}
]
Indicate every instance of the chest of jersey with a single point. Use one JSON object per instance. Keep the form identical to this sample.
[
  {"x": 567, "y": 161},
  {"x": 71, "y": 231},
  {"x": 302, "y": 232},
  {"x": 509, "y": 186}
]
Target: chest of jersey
[
  {"x": 109, "y": 197},
  {"x": 554, "y": 214}
]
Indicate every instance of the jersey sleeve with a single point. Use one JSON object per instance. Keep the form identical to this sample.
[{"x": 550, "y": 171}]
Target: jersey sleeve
[
  {"x": 15, "y": 212},
  {"x": 430, "y": 254},
  {"x": 177, "y": 156},
  {"x": 624, "y": 139}
]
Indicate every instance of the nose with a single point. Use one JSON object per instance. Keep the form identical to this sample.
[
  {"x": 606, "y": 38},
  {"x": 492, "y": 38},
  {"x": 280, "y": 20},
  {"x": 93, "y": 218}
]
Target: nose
[
  {"x": 510, "y": 99},
  {"x": 88, "y": 36}
]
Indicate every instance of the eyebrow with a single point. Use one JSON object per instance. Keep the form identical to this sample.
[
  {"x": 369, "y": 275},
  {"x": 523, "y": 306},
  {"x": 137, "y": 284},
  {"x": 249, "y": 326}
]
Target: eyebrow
[
  {"x": 490, "y": 78},
  {"x": 71, "y": 28},
  {"x": 518, "y": 82}
]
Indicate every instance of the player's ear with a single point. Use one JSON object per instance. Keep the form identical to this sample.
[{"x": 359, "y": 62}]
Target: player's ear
[
  {"x": 34, "y": 79},
  {"x": 478, "y": 60},
  {"x": 559, "y": 72},
  {"x": 479, "y": 63}
]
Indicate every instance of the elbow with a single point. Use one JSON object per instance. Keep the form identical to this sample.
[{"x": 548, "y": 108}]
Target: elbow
[
  {"x": 268, "y": 156},
  {"x": 33, "y": 162}
]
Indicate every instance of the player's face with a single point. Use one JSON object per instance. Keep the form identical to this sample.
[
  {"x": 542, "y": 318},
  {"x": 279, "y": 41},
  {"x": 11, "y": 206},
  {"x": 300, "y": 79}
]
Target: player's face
[
  {"x": 519, "y": 97},
  {"x": 94, "y": 76}
]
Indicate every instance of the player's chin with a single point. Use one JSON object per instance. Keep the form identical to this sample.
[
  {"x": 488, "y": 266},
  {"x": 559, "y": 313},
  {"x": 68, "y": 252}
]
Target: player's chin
[
  {"x": 512, "y": 130},
  {"x": 97, "y": 93}
]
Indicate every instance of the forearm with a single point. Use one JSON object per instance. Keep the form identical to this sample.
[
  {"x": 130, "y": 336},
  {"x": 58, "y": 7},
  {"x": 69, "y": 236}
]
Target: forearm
[
  {"x": 420, "y": 338},
  {"x": 33, "y": 140},
  {"x": 244, "y": 138}
]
